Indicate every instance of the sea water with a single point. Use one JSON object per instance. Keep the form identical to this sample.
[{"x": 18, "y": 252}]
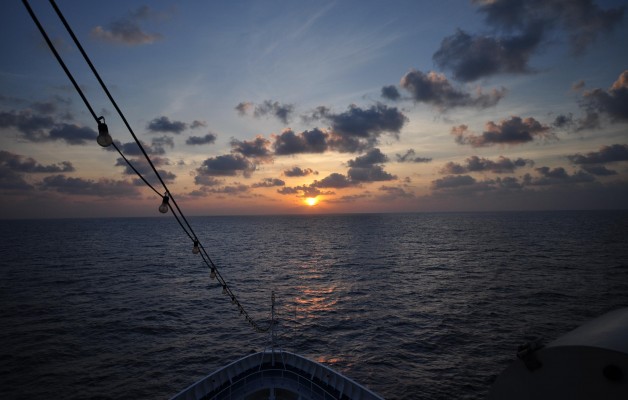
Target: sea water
[{"x": 413, "y": 306}]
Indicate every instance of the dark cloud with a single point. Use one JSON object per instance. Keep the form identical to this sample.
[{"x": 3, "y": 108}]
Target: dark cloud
[
  {"x": 366, "y": 168},
  {"x": 33, "y": 127},
  {"x": 269, "y": 182},
  {"x": 257, "y": 148},
  {"x": 598, "y": 170},
  {"x": 359, "y": 129},
  {"x": 163, "y": 141},
  {"x": 606, "y": 154},
  {"x": 244, "y": 107},
  {"x": 509, "y": 131},
  {"x": 434, "y": 88},
  {"x": 390, "y": 92},
  {"x": 44, "y": 107},
  {"x": 36, "y": 128},
  {"x": 210, "y": 138},
  {"x": 374, "y": 156},
  {"x": 88, "y": 187},
  {"x": 349, "y": 198},
  {"x": 613, "y": 103},
  {"x": 163, "y": 124},
  {"x": 409, "y": 156},
  {"x": 232, "y": 190},
  {"x": 142, "y": 166},
  {"x": 303, "y": 191},
  {"x": 452, "y": 181},
  {"x": 283, "y": 112},
  {"x": 563, "y": 121},
  {"x": 312, "y": 141},
  {"x": 558, "y": 175},
  {"x": 581, "y": 20},
  {"x": 72, "y": 134},
  {"x": 206, "y": 180},
  {"x": 394, "y": 192},
  {"x": 333, "y": 181},
  {"x": 132, "y": 149},
  {"x": 472, "y": 57},
  {"x": 127, "y": 30},
  {"x": 591, "y": 120},
  {"x": 373, "y": 173},
  {"x": 12, "y": 181},
  {"x": 198, "y": 124},
  {"x": 521, "y": 28},
  {"x": 225, "y": 165},
  {"x": 22, "y": 164},
  {"x": 296, "y": 171},
  {"x": 367, "y": 123},
  {"x": 280, "y": 111},
  {"x": 477, "y": 164}
]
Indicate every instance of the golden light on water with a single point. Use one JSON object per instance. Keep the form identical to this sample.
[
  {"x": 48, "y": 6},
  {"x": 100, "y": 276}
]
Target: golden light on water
[{"x": 311, "y": 201}]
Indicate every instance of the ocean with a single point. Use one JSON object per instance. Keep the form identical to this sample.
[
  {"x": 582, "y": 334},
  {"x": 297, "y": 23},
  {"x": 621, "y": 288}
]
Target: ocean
[{"x": 413, "y": 306}]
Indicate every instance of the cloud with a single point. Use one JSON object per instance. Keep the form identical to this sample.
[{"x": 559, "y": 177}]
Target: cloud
[
  {"x": 521, "y": 28},
  {"x": 366, "y": 168},
  {"x": 224, "y": 165},
  {"x": 198, "y": 124},
  {"x": 613, "y": 102},
  {"x": 163, "y": 124},
  {"x": 210, "y": 138},
  {"x": 606, "y": 154},
  {"x": 257, "y": 148},
  {"x": 453, "y": 181},
  {"x": 374, "y": 156},
  {"x": 88, "y": 187},
  {"x": 303, "y": 191},
  {"x": 72, "y": 134},
  {"x": 142, "y": 166},
  {"x": 333, "y": 181},
  {"x": 473, "y": 57},
  {"x": 312, "y": 141},
  {"x": 206, "y": 180},
  {"x": 232, "y": 190},
  {"x": 598, "y": 170},
  {"x": 509, "y": 131},
  {"x": 394, "y": 192},
  {"x": 390, "y": 93},
  {"x": 409, "y": 156},
  {"x": 22, "y": 164},
  {"x": 269, "y": 182},
  {"x": 44, "y": 107},
  {"x": 373, "y": 173},
  {"x": 296, "y": 171},
  {"x": 37, "y": 128},
  {"x": 127, "y": 30},
  {"x": 558, "y": 175},
  {"x": 477, "y": 164},
  {"x": 582, "y": 21},
  {"x": 163, "y": 141},
  {"x": 349, "y": 198},
  {"x": 434, "y": 88},
  {"x": 12, "y": 181},
  {"x": 132, "y": 149},
  {"x": 244, "y": 107},
  {"x": 283, "y": 112},
  {"x": 359, "y": 129}
]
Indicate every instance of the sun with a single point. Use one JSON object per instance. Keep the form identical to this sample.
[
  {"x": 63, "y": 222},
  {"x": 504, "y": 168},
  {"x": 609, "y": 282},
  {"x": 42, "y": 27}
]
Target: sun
[{"x": 311, "y": 201}]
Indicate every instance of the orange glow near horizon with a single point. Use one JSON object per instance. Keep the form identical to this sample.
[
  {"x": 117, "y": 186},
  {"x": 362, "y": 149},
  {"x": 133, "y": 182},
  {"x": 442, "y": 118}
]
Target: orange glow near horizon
[{"x": 311, "y": 201}]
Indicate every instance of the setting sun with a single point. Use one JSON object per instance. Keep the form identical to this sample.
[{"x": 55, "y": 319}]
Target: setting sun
[{"x": 311, "y": 201}]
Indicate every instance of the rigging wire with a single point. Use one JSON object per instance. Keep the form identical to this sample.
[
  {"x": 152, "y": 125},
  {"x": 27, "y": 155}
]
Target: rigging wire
[{"x": 178, "y": 214}]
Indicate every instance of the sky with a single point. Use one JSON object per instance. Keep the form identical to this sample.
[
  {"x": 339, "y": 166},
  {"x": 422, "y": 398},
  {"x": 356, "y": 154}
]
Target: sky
[{"x": 295, "y": 107}]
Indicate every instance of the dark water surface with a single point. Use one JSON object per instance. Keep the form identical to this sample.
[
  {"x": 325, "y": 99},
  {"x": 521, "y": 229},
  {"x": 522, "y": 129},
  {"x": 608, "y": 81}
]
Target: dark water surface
[{"x": 414, "y": 306}]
